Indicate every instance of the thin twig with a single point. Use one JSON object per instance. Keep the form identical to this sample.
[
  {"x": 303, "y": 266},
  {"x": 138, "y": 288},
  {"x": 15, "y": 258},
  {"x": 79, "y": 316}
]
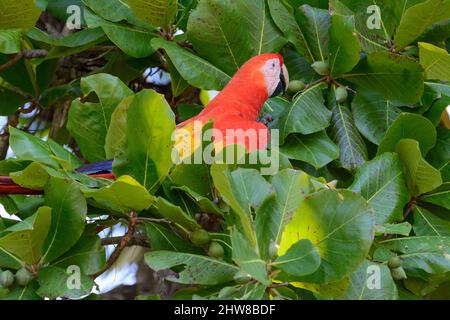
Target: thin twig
[
  {"x": 27, "y": 54},
  {"x": 124, "y": 242},
  {"x": 135, "y": 241},
  {"x": 411, "y": 205}
]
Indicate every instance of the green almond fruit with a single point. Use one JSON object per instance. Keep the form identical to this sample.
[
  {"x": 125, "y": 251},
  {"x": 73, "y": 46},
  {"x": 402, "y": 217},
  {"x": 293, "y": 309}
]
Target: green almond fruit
[
  {"x": 23, "y": 277},
  {"x": 215, "y": 250},
  {"x": 273, "y": 250},
  {"x": 200, "y": 237},
  {"x": 341, "y": 94},
  {"x": 398, "y": 273},
  {"x": 6, "y": 279},
  {"x": 395, "y": 262},
  {"x": 321, "y": 67},
  {"x": 296, "y": 86},
  {"x": 242, "y": 277}
]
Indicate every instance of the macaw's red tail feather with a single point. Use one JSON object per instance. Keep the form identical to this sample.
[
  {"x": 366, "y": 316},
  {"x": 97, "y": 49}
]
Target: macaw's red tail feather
[{"x": 8, "y": 187}]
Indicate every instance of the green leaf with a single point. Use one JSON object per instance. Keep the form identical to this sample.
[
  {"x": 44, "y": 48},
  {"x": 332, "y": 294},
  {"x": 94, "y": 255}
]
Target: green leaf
[
  {"x": 317, "y": 149},
  {"x": 435, "y": 61},
  {"x": 165, "y": 209},
  {"x": 163, "y": 238},
  {"x": 28, "y": 147},
  {"x": 10, "y": 41},
  {"x": 123, "y": 195},
  {"x": 344, "y": 44},
  {"x": 307, "y": 105},
  {"x": 340, "y": 224},
  {"x": 198, "y": 269},
  {"x": 23, "y": 293},
  {"x": 380, "y": 181},
  {"x": 291, "y": 187},
  {"x": 372, "y": 281},
  {"x": 54, "y": 283},
  {"x": 195, "y": 70},
  {"x": 18, "y": 14},
  {"x": 131, "y": 39},
  {"x": 418, "y": 19},
  {"x": 285, "y": 21},
  {"x": 422, "y": 256},
  {"x": 112, "y": 10},
  {"x": 77, "y": 39},
  {"x": 373, "y": 115},
  {"x": 219, "y": 35},
  {"x": 177, "y": 82},
  {"x": 263, "y": 33},
  {"x": 440, "y": 196},
  {"x": 197, "y": 177},
  {"x": 343, "y": 132},
  {"x": 371, "y": 35},
  {"x": 68, "y": 217},
  {"x": 88, "y": 122},
  {"x": 24, "y": 241},
  {"x": 204, "y": 204},
  {"x": 409, "y": 126},
  {"x": 420, "y": 176},
  {"x": 395, "y": 77},
  {"x": 150, "y": 124},
  {"x": 434, "y": 113},
  {"x": 10, "y": 101},
  {"x": 403, "y": 229},
  {"x": 439, "y": 156},
  {"x": 428, "y": 224},
  {"x": 242, "y": 189},
  {"x": 246, "y": 257},
  {"x": 301, "y": 259},
  {"x": 315, "y": 24},
  {"x": 116, "y": 137},
  {"x": 88, "y": 254},
  {"x": 32, "y": 177},
  {"x": 159, "y": 13}
]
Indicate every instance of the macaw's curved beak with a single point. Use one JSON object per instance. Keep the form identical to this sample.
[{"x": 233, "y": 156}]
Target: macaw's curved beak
[{"x": 284, "y": 82}]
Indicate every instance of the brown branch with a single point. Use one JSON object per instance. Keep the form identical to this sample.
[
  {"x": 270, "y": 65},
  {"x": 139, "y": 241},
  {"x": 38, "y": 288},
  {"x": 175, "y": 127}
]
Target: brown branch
[
  {"x": 135, "y": 241},
  {"x": 411, "y": 205},
  {"x": 27, "y": 54},
  {"x": 123, "y": 243}
]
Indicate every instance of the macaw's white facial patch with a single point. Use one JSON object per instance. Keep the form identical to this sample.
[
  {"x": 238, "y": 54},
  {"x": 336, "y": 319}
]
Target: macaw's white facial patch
[{"x": 271, "y": 71}]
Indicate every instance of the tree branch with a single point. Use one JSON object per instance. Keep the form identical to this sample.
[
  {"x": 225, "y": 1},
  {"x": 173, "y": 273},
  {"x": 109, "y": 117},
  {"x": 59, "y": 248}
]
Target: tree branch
[
  {"x": 123, "y": 243},
  {"x": 27, "y": 54},
  {"x": 135, "y": 241}
]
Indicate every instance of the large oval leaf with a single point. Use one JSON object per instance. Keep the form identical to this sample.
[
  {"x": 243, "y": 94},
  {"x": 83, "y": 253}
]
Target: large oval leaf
[
  {"x": 341, "y": 226},
  {"x": 395, "y": 77},
  {"x": 89, "y": 122},
  {"x": 69, "y": 211},
  {"x": 307, "y": 114},
  {"x": 150, "y": 123},
  {"x": 198, "y": 269},
  {"x": 353, "y": 151},
  {"x": 381, "y": 182}
]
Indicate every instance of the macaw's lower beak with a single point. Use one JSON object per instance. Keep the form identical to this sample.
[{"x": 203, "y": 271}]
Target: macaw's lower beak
[{"x": 284, "y": 82}]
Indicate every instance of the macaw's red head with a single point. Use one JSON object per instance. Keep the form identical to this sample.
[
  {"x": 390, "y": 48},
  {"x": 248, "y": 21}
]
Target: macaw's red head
[
  {"x": 266, "y": 72},
  {"x": 258, "y": 79}
]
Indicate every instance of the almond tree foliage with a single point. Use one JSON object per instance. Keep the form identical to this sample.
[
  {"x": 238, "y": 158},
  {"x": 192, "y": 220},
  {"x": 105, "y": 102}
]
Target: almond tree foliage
[{"x": 364, "y": 185}]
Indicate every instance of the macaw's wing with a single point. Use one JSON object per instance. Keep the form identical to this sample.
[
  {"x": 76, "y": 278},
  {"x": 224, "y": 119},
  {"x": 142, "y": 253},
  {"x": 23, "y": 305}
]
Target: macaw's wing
[{"x": 234, "y": 129}]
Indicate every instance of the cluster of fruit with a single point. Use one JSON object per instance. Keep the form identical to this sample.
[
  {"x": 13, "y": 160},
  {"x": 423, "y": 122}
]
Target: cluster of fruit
[
  {"x": 322, "y": 68},
  {"x": 22, "y": 278},
  {"x": 397, "y": 272}
]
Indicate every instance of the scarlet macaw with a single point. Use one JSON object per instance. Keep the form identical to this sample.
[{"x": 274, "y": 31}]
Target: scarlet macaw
[{"x": 236, "y": 107}]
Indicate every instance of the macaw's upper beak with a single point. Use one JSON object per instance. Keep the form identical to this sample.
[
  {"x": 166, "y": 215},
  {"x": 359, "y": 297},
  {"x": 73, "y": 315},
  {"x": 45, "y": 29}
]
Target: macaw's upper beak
[{"x": 284, "y": 82}]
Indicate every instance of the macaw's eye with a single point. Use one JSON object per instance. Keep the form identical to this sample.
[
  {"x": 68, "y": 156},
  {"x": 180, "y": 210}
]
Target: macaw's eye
[{"x": 273, "y": 65}]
